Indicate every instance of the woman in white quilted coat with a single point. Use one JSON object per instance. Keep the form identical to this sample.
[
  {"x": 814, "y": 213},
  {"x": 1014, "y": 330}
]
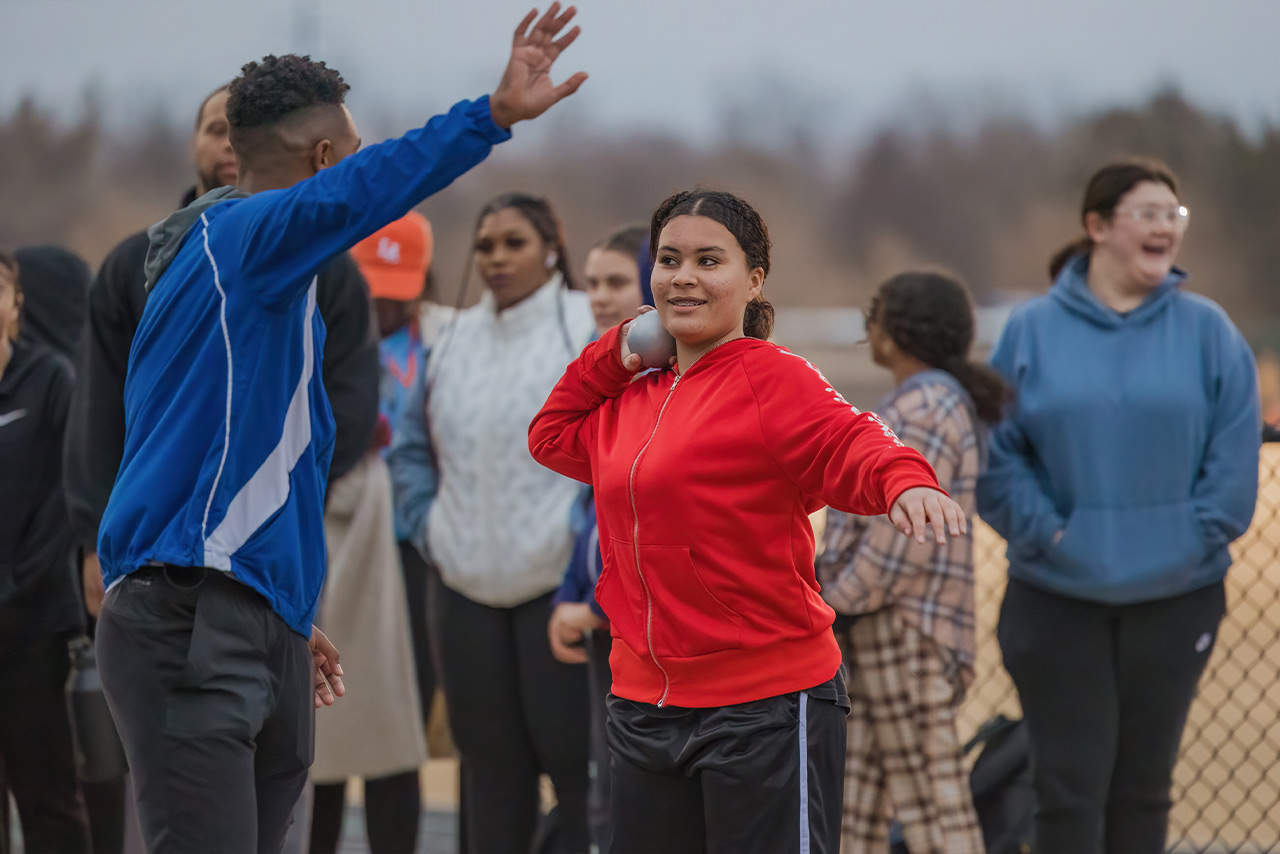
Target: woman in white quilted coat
[{"x": 495, "y": 526}]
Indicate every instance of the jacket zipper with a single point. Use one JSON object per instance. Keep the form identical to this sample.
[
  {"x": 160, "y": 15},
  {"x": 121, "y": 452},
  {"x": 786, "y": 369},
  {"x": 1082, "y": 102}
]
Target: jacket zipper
[
  {"x": 635, "y": 531},
  {"x": 635, "y": 538}
]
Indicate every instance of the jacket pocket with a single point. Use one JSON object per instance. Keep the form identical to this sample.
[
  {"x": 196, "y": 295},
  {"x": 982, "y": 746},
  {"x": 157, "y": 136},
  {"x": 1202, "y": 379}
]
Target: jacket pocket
[
  {"x": 688, "y": 619},
  {"x": 620, "y": 596},
  {"x": 1153, "y": 547}
]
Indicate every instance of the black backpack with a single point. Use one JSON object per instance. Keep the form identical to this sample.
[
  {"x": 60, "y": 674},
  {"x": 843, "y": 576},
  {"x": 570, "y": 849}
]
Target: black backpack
[{"x": 1001, "y": 784}]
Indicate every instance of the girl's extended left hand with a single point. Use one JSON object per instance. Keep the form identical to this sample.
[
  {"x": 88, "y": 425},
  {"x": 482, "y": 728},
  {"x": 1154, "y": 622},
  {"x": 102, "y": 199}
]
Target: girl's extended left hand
[{"x": 920, "y": 506}]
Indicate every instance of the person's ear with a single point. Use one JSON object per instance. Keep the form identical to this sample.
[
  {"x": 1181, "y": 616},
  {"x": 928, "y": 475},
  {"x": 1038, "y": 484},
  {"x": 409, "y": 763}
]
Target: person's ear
[
  {"x": 1097, "y": 226},
  {"x": 322, "y": 156},
  {"x": 755, "y": 280}
]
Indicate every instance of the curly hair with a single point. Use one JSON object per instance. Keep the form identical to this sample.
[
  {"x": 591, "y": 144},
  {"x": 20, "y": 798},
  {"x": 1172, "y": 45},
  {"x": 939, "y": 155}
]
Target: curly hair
[
  {"x": 267, "y": 92},
  {"x": 743, "y": 222},
  {"x": 929, "y": 315}
]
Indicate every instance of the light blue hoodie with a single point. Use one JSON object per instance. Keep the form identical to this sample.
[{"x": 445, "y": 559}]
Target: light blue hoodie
[{"x": 1136, "y": 435}]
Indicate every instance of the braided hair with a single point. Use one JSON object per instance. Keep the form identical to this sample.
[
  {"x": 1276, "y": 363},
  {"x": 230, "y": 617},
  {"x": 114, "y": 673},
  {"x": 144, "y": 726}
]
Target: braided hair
[
  {"x": 747, "y": 227},
  {"x": 930, "y": 316}
]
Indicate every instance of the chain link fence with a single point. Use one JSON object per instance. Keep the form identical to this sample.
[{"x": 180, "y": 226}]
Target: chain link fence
[{"x": 1226, "y": 789}]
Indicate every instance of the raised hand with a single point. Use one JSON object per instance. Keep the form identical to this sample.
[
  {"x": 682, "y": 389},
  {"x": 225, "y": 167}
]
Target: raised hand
[
  {"x": 526, "y": 90},
  {"x": 921, "y": 506}
]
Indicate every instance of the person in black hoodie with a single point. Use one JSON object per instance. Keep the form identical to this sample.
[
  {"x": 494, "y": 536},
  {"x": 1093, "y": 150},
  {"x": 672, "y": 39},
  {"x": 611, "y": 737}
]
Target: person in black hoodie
[
  {"x": 55, "y": 287},
  {"x": 38, "y": 608},
  {"x": 95, "y": 430}
]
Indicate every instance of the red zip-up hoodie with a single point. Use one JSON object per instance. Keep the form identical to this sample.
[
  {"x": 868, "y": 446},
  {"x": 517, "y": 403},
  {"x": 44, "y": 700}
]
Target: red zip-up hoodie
[{"x": 704, "y": 484}]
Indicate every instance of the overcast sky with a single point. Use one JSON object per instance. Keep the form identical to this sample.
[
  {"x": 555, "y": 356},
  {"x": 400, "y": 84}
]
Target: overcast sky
[{"x": 673, "y": 66}]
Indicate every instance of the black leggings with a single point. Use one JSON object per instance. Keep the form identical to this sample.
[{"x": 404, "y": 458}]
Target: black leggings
[
  {"x": 515, "y": 713},
  {"x": 392, "y": 807},
  {"x": 35, "y": 747},
  {"x": 416, "y": 592},
  {"x": 1105, "y": 692}
]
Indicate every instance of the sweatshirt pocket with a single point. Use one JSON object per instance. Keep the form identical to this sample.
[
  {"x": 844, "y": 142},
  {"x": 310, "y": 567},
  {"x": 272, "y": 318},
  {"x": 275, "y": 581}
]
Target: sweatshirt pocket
[
  {"x": 1148, "y": 548},
  {"x": 621, "y": 597},
  {"x": 688, "y": 619},
  {"x": 678, "y": 617}
]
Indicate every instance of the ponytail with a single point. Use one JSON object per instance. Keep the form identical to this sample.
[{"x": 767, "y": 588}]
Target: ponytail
[
  {"x": 929, "y": 315},
  {"x": 987, "y": 389},
  {"x": 563, "y": 267},
  {"x": 758, "y": 320},
  {"x": 1064, "y": 255}
]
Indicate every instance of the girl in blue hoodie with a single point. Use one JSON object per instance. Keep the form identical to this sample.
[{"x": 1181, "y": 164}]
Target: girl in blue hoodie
[
  {"x": 617, "y": 274},
  {"x": 1125, "y": 467}
]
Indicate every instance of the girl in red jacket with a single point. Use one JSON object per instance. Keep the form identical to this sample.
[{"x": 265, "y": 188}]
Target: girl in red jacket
[{"x": 726, "y": 721}]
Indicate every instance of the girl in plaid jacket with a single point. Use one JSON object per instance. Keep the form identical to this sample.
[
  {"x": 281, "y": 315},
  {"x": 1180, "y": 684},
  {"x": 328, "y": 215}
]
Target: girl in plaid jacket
[{"x": 906, "y": 630}]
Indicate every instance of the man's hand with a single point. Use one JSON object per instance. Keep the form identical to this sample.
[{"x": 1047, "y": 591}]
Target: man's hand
[
  {"x": 921, "y": 505},
  {"x": 569, "y": 622},
  {"x": 328, "y": 671},
  {"x": 93, "y": 592},
  {"x": 526, "y": 90}
]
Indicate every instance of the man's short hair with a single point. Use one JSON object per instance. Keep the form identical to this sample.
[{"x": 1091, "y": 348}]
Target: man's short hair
[{"x": 269, "y": 91}]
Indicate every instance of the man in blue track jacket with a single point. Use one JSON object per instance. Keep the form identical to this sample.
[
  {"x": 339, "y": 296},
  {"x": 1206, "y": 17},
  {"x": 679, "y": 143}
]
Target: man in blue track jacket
[{"x": 212, "y": 545}]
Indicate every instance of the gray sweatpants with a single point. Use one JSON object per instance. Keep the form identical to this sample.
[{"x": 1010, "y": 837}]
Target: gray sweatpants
[{"x": 213, "y": 697}]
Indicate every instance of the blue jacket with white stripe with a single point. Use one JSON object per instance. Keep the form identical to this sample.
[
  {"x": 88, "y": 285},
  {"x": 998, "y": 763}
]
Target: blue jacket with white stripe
[{"x": 228, "y": 431}]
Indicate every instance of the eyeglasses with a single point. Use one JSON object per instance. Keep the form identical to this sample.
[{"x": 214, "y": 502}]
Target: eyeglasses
[{"x": 1176, "y": 216}]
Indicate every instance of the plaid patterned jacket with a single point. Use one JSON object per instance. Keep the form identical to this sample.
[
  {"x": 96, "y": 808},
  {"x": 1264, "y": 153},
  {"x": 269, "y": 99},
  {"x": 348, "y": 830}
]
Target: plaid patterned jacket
[{"x": 867, "y": 565}]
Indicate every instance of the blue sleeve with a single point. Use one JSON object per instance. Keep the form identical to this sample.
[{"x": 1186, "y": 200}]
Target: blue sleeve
[
  {"x": 576, "y": 585},
  {"x": 1226, "y": 488},
  {"x": 591, "y": 588},
  {"x": 1009, "y": 495},
  {"x": 571, "y": 585},
  {"x": 285, "y": 233},
  {"x": 585, "y": 564},
  {"x": 412, "y": 461}
]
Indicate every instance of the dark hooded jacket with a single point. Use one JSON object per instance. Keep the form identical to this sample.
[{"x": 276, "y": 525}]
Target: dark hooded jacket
[
  {"x": 55, "y": 286},
  {"x": 39, "y": 596},
  {"x": 39, "y": 588},
  {"x": 117, "y": 296}
]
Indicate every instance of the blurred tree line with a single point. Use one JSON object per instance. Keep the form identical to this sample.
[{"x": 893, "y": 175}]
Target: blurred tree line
[{"x": 991, "y": 202}]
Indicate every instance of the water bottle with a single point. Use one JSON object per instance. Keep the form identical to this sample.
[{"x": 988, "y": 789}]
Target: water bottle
[{"x": 98, "y": 753}]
